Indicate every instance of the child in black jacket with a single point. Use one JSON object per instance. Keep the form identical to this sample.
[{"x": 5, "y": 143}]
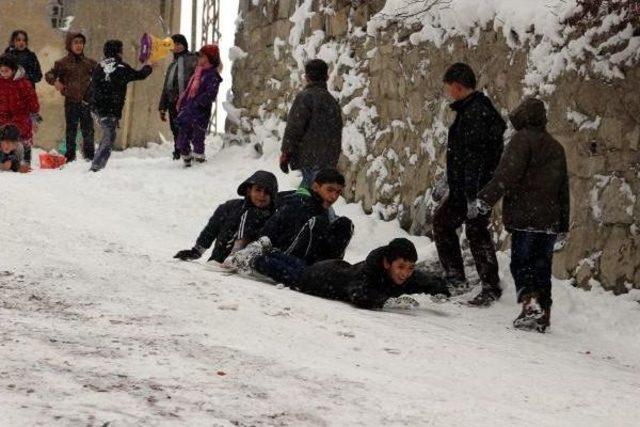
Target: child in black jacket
[
  {"x": 106, "y": 95},
  {"x": 301, "y": 232},
  {"x": 236, "y": 222},
  {"x": 388, "y": 272}
]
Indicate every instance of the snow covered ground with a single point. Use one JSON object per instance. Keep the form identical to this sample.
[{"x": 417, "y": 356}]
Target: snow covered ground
[{"x": 100, "y": 326}]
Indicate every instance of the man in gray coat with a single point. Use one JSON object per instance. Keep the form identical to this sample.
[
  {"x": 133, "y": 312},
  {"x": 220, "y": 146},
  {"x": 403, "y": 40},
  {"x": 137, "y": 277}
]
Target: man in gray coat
[
  {"x": 313, "y": 136},
  {"x": 175, "y": 82}
]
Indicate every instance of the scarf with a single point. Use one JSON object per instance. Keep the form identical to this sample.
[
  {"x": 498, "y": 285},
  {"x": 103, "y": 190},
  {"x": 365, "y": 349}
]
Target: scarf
[{"x": 193, "y": 86}]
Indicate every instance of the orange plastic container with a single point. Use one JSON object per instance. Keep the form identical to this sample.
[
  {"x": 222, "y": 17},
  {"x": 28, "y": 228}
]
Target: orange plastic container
[{"x": 51, "y": 161}]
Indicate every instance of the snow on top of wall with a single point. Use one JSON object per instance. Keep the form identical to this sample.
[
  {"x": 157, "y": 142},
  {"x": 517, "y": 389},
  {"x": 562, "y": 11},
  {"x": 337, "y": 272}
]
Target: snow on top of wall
[{"x": 555, "y": 46}]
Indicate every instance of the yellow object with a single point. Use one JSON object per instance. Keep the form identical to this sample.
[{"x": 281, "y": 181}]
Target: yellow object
[{"x": 153, "y": 48}]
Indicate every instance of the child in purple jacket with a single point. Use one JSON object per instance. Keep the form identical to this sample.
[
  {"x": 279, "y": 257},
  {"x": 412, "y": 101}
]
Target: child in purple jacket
[{"x": 194, "y": 105}]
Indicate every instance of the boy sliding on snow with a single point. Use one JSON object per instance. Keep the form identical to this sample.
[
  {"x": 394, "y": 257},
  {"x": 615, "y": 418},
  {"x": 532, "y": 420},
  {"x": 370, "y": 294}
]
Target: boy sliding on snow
[
  {"x": 238, "y": 221},
  {"x": 386, "y": 275},
  {"x": 11, "y": 154},
  {"x": 532, "y": 177},
  {"x": 300, "y": 233},
  {"x": 106, "y": 95}
]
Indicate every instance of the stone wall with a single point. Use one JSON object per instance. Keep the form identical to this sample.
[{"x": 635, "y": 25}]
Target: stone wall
[
  {"x": 397, "y": 118},
  {"x": 99, "y": 20}
]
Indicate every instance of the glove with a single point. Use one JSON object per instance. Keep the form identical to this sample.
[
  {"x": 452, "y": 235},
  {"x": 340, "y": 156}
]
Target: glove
[
  {"x": 188, "y": 254},
  {"x": 403, "y": 302},
  {"x": 561, "y": 242},
  {"x": 285, "y": 158},
  {"x": 477, "y": 208},
  {"x": 440, "y": 189}
]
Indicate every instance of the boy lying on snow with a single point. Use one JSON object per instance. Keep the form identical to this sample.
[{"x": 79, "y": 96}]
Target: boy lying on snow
[
  {"x": 11, "y": 151},
  {"x": 301, "y": 232},
  {"x": 386, "y": 275},
  {"x": 237, "y": 222}
]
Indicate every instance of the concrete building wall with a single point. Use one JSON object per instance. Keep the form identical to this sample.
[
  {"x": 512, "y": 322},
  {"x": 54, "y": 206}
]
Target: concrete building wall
[{"x": 100, "y": 20}]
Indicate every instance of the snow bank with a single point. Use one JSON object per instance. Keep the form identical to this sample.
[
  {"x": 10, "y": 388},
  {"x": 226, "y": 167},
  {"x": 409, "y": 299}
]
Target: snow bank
[{"x": 101, "y": 325}]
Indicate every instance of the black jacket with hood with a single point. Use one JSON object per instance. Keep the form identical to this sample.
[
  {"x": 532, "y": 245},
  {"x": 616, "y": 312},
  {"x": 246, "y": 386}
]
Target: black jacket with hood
[
  {"x": 177, "y": 78},
  {"x": 474, "y": 147},
  {"x": 365, "y": 284},
  {"x": 532, "y": 175},
  {"x": 108, "y": 89},
  {"x": 294, "y": 211},
  {"x": 238, "y": 218}
]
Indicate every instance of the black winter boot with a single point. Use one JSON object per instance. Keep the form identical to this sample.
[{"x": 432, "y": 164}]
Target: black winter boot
[{"x": 486, "y": 297}]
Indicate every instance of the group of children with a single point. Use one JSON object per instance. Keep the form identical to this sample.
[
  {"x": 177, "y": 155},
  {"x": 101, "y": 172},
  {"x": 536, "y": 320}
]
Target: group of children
[
  {"x": 97, "y": 91},
  {"x": 295, "y": 238}
]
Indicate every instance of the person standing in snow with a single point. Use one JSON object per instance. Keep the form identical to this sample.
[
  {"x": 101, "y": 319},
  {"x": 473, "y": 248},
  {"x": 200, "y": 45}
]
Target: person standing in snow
[
  {"x": 18, "y": 102},
  {"x": 475, "y": 144},
  {"x": 236, "y": 222},
  {"x": 195, "y": 104},
  {"x": 71, "y": 76},
  {"x": 387, "y": 273},
  {"x": 27, "y": 59},
  {"x": 532, "y": 177},
  {"x": 175, "y": 81},
  {"x": 313, "y": 135},
  {"x": 106, "y": 96},
  {"x": 300, "y": 233}
]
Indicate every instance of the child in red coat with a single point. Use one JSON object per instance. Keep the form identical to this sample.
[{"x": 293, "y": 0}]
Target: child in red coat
[{"x": 18, "y": 102}]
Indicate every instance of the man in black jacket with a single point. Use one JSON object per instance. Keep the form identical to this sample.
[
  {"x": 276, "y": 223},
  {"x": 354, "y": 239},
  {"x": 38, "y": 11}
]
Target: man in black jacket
[
  {"x": 313, "y": 136},
  {"x": 106, "y": 95},
  {"x": 175, "y": 82},
  {"x": 301, "y": 232},
  {"x": 237, "y": 222},
  {"x": 388, "y": 272},
  {"x": 474, "y": 148}
]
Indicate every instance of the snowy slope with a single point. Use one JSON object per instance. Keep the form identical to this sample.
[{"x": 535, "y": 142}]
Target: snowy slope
[{"x": 100, "y": 325}]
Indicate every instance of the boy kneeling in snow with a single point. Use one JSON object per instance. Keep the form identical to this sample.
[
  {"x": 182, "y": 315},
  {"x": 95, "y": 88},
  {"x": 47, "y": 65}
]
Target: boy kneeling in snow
[
  {"x": 301, "y": 232},
  {"x": 237, "y": 222},
  {"x": 386, "y": 275},
  {"x": 11, "y": 151},
  {"x": 532, "y": 177}
]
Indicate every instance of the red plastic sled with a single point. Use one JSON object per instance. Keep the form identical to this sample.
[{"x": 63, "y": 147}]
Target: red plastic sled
[{"x": 51, "y": 161}]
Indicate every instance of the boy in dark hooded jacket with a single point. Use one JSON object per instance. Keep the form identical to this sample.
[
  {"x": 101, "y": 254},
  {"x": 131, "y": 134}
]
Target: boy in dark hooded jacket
[
  {"x": 71, "y": 76},
  {"x": 301, "y": 232},
  {"x": 237, "y": 222},
  {"x": 106, "y": 95},
  {"x": 387, "y": 273},
  {"x": 532, "y": 177}
]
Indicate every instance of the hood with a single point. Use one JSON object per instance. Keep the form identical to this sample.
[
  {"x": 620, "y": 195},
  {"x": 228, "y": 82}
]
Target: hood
[
  {"x": 263, "y": 178},
  {"x": 530, "y": 113},
  {"x": 70, "y": 37},
  {"x": 373, "y": 263}
]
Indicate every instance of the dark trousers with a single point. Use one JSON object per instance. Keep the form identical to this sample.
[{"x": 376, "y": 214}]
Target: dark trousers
[
  {"x": 173, "y": 123},
  {"x": 281, "y": 267},
  {"x": 75, "y": 113},
  {"x": 447, "y": 219},
  {"x": 531, "y": 262}
]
